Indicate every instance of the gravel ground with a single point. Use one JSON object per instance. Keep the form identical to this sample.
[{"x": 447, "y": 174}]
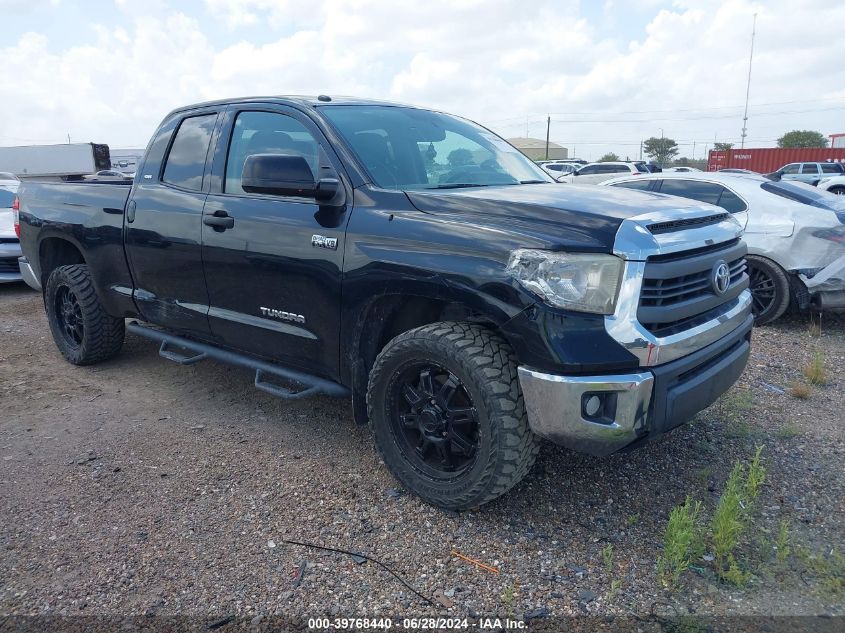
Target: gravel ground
[{"x": 141, "y": 487}]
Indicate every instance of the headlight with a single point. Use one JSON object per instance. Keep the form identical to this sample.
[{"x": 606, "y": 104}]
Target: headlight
[{"x": 575, "y": 281}]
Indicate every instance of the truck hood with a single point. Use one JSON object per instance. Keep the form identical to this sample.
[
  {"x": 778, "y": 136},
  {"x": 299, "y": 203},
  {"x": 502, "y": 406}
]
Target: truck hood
[{"x": 587, "y": 209}]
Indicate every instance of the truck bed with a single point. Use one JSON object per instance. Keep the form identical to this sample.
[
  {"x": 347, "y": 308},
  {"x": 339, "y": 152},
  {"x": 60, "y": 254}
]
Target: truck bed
[{"x": 89, "y": 215}]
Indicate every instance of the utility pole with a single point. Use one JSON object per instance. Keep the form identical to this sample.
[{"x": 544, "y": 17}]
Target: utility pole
[
  {"x": 748, "y": 85},
  {"x": 641, "y": 149},
  {"x": 548, "y": 125},
  {"x": 693, "y": 150},
  {"x": 68, "y": 139}
]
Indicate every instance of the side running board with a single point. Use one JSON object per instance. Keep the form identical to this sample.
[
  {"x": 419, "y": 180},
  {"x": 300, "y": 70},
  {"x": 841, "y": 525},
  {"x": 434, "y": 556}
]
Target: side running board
[{"x": 187, "y": 352}]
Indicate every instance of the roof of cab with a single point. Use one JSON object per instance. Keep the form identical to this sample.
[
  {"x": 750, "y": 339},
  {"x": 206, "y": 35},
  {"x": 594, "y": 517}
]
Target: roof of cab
[{"x": 296, "y": 100}]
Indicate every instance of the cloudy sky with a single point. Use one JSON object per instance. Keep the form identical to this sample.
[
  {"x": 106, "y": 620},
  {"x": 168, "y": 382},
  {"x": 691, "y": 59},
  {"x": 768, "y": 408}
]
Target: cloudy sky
[{"x": 608, "y": 72}]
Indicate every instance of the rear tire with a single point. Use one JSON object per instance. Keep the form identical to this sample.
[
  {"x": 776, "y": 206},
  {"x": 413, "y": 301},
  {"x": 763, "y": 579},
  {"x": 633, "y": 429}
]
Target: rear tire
[
  {"x": 447, "y": 414},
  {"x": 769, "y": 289},
  {"x": 83, "y": 331}
]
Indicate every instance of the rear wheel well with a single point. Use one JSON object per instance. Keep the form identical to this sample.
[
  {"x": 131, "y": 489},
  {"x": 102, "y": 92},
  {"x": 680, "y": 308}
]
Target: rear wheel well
[
  {"x": 54, "y": 252},
  {"x": 387, "y": 318}
]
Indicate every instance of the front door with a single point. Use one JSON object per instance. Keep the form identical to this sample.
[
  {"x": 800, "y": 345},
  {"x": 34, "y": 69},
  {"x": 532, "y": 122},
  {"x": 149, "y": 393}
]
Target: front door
[
  {"x": 274, "y": 283},
  {"x": 163, "y": 233}
]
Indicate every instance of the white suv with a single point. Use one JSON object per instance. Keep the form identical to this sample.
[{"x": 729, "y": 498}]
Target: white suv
[{"x": 594, "y": 173}]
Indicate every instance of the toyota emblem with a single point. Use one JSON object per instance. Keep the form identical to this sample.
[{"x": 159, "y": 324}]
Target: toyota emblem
[{"x": 721, "y": 278}]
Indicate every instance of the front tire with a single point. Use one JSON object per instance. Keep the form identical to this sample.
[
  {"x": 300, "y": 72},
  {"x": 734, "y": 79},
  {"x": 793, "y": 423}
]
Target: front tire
[
  {"x": 447, "y": 414},
  {"x": 769, "y": 289},
  {"x": 83, "y": 331}
]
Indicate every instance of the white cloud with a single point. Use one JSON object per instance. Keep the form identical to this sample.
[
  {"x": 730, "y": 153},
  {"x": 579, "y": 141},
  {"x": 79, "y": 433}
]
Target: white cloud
[{"x": 496, "y": 62}]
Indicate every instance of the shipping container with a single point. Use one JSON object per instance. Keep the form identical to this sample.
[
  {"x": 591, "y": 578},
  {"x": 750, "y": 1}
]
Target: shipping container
[
  {"x": 768, "y": 159},
  {"x": 65, "y": 161}
]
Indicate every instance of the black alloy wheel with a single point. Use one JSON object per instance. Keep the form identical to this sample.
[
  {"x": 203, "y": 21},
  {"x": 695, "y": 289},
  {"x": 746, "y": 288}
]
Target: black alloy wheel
[
  {"x": 762, "y": 290},
  {"x": 69, "y": 316},
  {"x": 434, "y": 421}
]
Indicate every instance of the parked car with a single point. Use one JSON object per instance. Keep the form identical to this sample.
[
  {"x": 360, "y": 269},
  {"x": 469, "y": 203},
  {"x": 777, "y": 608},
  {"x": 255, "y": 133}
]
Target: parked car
[
  {"x": 682, "y": 169},
  {"x": 106, "y": 175},
  {"x": 795, "y": 235},
  {"x": 833, "y": 184},
  {"x": 811, "y": 173},
  {"x": 556, "y": 170},
  {"x": 469, "y": 307},
  {"x": 594, "y": 173},
  {"x": 8, "y": 178},
  {"x": 10, "y": 248}
]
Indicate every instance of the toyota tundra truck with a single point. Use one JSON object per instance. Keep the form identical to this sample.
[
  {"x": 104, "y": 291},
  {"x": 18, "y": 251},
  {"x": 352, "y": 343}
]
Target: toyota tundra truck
[{"x": 412, "y": 261}]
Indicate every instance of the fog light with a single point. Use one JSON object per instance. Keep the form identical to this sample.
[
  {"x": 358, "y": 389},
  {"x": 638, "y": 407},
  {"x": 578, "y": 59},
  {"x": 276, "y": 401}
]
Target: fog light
[{"x": 592, "y": 406}]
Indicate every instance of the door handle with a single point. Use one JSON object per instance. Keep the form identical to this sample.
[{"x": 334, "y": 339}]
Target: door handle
[{"x": 219, "y": 220}]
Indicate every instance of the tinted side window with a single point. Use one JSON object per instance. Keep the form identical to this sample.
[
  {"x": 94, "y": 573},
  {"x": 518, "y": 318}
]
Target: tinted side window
[
  {"x": 643, "y": 184},
  {"x": 267, "y": 133},
  {"x": 618, "y": 169},
  {"x": 790, "y": 169},
  {"x": 731, "y": 202},
  {"x": 809, "y": 168},
  {"x": 186, "y": 160},
  {"x": 701, "y": 191},
  {"x": 589, "y": 169},
  {"x": 831, "y": 168},
  {"x": 554, "y": 167}
]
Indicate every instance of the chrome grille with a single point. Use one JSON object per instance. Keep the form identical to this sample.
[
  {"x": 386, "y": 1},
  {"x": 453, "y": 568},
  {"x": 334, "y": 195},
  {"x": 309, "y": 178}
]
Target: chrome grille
[{"x": 678, "y": 294}]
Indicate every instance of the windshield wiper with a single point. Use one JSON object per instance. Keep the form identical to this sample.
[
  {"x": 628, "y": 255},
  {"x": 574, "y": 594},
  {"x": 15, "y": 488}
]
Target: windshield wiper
[{"x": 458, "y": 185}]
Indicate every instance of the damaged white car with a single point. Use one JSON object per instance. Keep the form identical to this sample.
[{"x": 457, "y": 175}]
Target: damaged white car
[{"x": 795, "y": 235}]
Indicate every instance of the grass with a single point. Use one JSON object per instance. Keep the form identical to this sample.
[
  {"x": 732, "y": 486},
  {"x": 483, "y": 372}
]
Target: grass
[
  {"x": 782, "y": 543},
  {"x": 800, "y": 390},
  {"x": 632, "y": 519},
  {"x": 607, "y": 558},
  {"x": 788, "y": 431},
  {"x": 733, "y": 408},
  {"x": 615, "y": 586},
  {"x": 732, "y": 516},
  {"x": 682, "y": 542},
  {"x": 829, "y": 569},
  {"x": 815, "y": 371}
]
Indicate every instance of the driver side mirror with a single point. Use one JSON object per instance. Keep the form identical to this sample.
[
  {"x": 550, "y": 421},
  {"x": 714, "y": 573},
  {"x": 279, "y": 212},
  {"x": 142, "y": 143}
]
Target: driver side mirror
[{"x": 285, "y": 175}]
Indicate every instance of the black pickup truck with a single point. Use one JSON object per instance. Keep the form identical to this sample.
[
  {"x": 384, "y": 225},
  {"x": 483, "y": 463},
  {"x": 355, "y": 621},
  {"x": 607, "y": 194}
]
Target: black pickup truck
[{"x": 412, "y": 260}]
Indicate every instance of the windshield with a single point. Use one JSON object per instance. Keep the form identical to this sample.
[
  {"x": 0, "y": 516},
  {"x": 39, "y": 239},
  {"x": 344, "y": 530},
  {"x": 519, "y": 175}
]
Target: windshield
[{"x": 407, "y": 148}]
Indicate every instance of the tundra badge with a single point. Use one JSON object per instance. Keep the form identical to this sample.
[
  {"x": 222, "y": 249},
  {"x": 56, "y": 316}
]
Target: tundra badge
[
  {"x": 321, "y": 241},
  {"x": 281, "y": 314}
]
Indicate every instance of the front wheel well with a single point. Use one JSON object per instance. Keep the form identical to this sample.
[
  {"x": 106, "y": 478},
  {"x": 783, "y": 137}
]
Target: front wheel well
[
  {"x": 54, "y": 252},
  {"x": 387, "y": 318}
]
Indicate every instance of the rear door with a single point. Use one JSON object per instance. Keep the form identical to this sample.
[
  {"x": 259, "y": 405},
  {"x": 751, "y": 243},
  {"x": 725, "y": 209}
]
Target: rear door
[
  {"x": 163, "y": 234},
  {"x": 274, "y": 283},
  {"x": 810, "y": 173}
]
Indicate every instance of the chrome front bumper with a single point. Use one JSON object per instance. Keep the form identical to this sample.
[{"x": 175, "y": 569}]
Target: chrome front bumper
[
  {"x": 28, "y": 274},
  {"x": 635, "y": 406},
  {"x": 554, "y": 405}
]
